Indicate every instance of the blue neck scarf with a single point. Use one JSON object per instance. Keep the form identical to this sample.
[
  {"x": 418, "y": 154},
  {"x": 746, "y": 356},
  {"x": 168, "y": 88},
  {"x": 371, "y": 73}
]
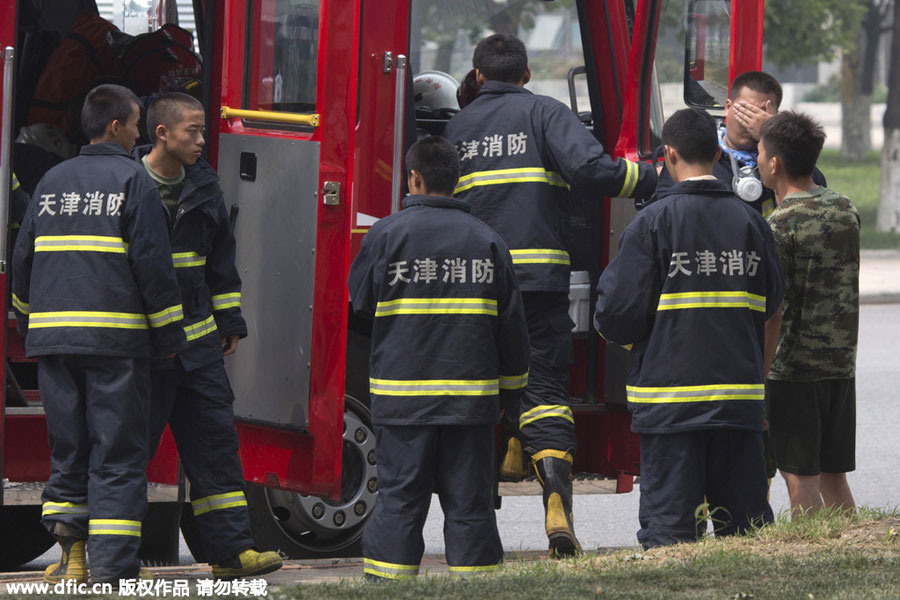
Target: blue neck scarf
[{"x": 742, "y": 156}]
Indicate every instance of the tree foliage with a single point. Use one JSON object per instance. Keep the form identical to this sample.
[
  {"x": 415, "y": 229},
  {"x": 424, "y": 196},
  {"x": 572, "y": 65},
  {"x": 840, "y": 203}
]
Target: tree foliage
[{"x": 799, "y": 32}]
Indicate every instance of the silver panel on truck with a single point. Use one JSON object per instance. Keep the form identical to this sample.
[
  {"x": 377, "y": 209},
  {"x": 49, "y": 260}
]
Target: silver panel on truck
[
  {"x": 271, "y": 189},
  {"x": 621, "y": 211}
]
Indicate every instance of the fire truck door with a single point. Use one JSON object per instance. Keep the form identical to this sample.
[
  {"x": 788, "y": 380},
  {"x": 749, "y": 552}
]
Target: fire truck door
[{"x": 7, "y": 68}]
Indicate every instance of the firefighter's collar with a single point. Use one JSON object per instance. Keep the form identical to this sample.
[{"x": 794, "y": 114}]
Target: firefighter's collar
[
  {"x": 104, "y": 148},
  {"x": 436, "y": 202},
  {"x": 501, "y": 87}
]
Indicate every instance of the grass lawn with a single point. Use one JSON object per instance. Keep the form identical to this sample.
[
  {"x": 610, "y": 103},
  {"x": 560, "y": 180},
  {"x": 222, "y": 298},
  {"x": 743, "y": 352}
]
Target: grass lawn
[
  {"x": 860, "y": 182},
  {"x": 827, "y": 556}
]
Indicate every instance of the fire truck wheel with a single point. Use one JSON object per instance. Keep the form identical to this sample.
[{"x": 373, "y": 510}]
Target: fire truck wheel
[
  {"x": 302, "y": 526},
  {"x": 159, "y": 536},
  {"x": 24, "y": 537}
]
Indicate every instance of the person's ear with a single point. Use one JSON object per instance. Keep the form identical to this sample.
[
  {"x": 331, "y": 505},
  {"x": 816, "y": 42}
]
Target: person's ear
[
  {"x": 718, "y": 154},
  {"x": 161, "y": 133},
  {"x": 527, "y": 77},
  {"x": 670, "y": 155},
  {"x": 480, "y": 79}
]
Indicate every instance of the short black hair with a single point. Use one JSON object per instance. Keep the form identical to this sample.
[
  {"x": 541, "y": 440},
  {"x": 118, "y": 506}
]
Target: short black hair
[
  {"x": 437, "y": 161},
  {"x": 501, "y": 57},
  {"x": 796, "y": 139},
  {"x": 103, "y": 105},
  {"x": 758, "y": 82},
  {"x": 168, "y": 109},
  {"x": 692, "y": 133}
]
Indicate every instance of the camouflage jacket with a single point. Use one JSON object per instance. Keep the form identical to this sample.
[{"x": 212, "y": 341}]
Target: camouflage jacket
[{"x": 817, "y": 235}]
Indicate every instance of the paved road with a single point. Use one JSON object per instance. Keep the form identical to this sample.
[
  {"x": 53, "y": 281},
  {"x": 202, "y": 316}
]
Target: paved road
[{"x": 605, "y": 521}]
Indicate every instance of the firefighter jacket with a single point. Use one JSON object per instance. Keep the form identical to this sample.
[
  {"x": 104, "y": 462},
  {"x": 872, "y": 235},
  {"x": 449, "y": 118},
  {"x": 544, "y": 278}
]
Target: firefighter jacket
[
  {"x": 203, "y": 252},
  {"x": 92, "y": 269},
  {"x": 696, "y": 277},
  {"x": 449, "y": 335},
  {"x": 519, "y": 155}
]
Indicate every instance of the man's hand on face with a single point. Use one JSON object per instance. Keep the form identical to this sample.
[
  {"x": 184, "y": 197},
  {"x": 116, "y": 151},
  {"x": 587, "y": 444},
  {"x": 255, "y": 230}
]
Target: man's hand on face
[{"x": 752, "y": 117}]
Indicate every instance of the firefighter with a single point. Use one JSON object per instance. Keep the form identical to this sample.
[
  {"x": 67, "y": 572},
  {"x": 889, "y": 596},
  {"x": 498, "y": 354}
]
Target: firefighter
[
  {"x": 191, "y": 391},
  {"x": 95, "y": 296},
  {"x": 520, "y": 154},
  {"x": 449, "y": 347},
  {"x": 696, "y": 277}
]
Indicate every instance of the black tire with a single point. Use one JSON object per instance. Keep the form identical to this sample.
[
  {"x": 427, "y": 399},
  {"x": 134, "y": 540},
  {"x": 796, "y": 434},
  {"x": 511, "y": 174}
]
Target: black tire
[
  {"x": 24, "y": 537},
  {"x": 159, "y": 534},
  {"x": 301, "y": 526}
]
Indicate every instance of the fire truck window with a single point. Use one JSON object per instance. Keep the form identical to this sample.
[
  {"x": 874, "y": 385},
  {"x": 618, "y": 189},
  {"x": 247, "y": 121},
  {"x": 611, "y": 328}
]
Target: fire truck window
[
  {"x": 701, "y": 27},
  {"x": 443, "y": 34},
  {"x": 283, "y": 55}
]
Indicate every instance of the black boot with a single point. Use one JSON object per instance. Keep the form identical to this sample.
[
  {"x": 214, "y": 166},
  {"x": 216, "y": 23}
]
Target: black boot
[{"x": 554, "y": 468}]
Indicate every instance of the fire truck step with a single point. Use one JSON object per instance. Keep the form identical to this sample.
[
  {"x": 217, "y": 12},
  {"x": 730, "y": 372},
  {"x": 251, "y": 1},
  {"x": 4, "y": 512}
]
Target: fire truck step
[
  {"x": 20, "y": 493},
  {"x": 583, "y": 483}
]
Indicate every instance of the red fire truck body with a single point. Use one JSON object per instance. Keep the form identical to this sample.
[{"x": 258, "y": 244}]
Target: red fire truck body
[{"x": 309, "y": 106}]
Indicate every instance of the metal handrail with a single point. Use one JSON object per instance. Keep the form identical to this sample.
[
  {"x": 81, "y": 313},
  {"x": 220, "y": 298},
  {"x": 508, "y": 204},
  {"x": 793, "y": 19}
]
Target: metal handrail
[
  {"x": 6, "y": 151},
  {"x": 267, "y": 115},
  {"x": 399, "y": 103}
]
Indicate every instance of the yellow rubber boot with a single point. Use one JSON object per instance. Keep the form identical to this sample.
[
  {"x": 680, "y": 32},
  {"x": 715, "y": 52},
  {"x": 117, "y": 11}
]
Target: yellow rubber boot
[
  {"x": 247, "y": 563},
  {"x": 72, "y": 563},
  {"x": 554, "y": 468},
  {"x": 513, "y": 466}
]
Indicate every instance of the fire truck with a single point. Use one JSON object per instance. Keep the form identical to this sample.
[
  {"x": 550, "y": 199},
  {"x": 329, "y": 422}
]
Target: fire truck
[{"x": 310, "y": 105}]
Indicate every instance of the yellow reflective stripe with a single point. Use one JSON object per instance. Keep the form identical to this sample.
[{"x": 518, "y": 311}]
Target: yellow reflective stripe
[
  {"x": 78, "y": 318},
  {"x": 187, "y": 259},
  {"x": 513, "y": 382},
  {"x": 695, "y": 393},
  {"x": 63, "y": 508},
  {"x": 22, "y": 307},
  {"x": 218, "y": 502},
  {"x": 389, "y": 570},
  {"x": 467, "y": 571},
  {"x": 561, "y": 454},
  {"x": 166, "y": 316},
  {"x": 501, "y": 176},
  {"x": 429, "y": 306},
  {"x": 200, "y": 329},
  {"x": 539, "y": 256},
  {"x": 434, "y": 387},
  {"x": 729, "y": 299},
  {"x": 223, "y": 301},
  {"x": 768, "y": 206},
  {"x": 114, "y": 527},
  {"x": 546, "y": 411},
  {"x": 631, "y": 178},
  {"x": 15, "y": 182},
  {"x": 79, "y": 243}
]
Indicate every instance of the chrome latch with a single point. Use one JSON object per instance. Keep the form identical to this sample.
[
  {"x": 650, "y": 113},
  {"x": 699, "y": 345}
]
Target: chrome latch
[{"x": 331, "y": 193}]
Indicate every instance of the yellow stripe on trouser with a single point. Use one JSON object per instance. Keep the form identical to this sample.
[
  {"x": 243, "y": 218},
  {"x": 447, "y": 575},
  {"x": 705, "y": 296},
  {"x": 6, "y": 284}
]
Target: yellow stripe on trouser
[
  {"x": 114, "y": 527},
  {"x": 200, "y": 329},
  {"x": 546, "y": 411},
  {"x": 695, "y": 393},
  {"x": 22, "y": 307},
  {"x": 166, "y": 316},
  {"x": 729, "y": 299},
  {"x": 439, "y": 306},
  {"x": 513, "y": 382},
  {"x": 502, "y": 176},
  {"x": 632, "y": 173},
  {"x": 218, "y": 502},
  {"x": 561, "y": 454},
  {"x": 434, "y": 387},
  {"x": 223, "y": 301},
  {"x": 469, "y": 571},
  {"x": 87, "y": 318},
  {"x": 389, "y": 570},
  {"x": 15, "y": 182},
  {"x": 79, "y": 243},
  {"x": 63, "y": 508},
  {"x": 187, "y": 259},
  {"x": 527, "y": 256}
]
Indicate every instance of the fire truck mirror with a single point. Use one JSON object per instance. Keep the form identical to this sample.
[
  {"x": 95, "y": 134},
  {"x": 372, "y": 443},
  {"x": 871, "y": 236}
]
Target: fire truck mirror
[
  {"x": 707, "y": 53},
  {"x": 248, "y": 166}
]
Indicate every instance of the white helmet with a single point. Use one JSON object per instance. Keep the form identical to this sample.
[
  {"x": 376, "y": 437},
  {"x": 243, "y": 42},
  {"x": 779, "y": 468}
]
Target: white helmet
[
  {"x": 49, "y": 137},
  {"x": 435, "y": 90}
]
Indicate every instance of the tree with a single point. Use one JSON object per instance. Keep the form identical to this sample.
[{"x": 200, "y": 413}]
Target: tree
[{"x": 889, "y": 198}]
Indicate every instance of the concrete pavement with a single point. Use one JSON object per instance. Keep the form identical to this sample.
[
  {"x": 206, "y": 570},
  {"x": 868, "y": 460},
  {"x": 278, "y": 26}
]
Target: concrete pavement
[{"x": 879, "y": 277}]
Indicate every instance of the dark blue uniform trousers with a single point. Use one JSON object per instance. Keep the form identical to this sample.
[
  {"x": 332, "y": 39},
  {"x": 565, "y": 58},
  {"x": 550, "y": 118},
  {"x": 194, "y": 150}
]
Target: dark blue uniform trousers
[
  {"x": 97, "y": 411},
  {"x": 411, "y": 460},
  {"x": 198, "y": 407},
  {"x": 545, "y": 419},
  {"x": 727, "y": 466}
]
